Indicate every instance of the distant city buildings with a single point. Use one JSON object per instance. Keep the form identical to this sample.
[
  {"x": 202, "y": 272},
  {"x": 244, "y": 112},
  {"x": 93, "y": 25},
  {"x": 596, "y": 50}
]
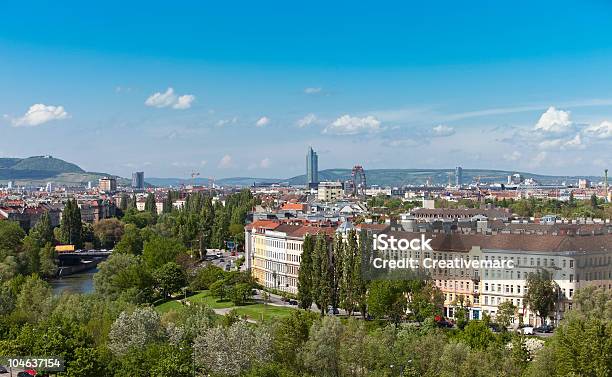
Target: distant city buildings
[
  {"x": 138, "y": 180},
  {"x": 312, "y": 168},
  {"x": 107, "y": 184}
]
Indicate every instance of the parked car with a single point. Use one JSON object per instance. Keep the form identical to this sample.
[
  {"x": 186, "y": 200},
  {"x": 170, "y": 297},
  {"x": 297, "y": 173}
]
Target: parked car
[
  {"x": 525, "y": 330},
  {"x": 332, "y": 311},
  {"x": 3, "y": 370},
  {"x": 293, "y": 302},
  {"x": 544, "y": 329}
]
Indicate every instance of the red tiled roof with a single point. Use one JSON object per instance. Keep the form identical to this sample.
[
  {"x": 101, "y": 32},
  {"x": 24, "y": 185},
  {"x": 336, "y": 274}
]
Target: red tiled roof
[
  {"x": 267, "y": 224},
  {"x": 294, "y": 207}
]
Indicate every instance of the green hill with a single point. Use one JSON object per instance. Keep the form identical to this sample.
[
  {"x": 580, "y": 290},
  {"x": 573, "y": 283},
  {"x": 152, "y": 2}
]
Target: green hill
[{"x": 38, "y": 170}]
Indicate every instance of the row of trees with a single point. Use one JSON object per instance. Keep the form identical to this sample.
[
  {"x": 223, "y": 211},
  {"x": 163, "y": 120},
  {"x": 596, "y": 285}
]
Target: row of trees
[
  {"x": 123, "y": 339},
  {"x": 331, "y": 276}
]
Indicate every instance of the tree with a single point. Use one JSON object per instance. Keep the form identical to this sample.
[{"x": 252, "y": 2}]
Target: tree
[
  {"x": 206, "y": 276},
  {"x": 71, "y": 226},
  {"x": 48, "y": 261},
  {"x": 541, "y": 293},
  {"x": 108, "y": 232},
  {"x": 386, "y": 298},
  {"x": 170, "y": 278},
  {"x": 477, "y": 335},
  {"x": 305, "y": 274},
  {"x": 322, "y": 275},
  {"x": 290, "y": 334},
  {"x": 348, "y": 281},
  {"x": 87, "y": 362},
  {"x": 321, "y": 353},
  {"x": 122, "y": 273},
  {"x": 131, "y": 241},
  {"x": 160, "y": 250},
  {"x": 337, "y": 261},
  {"x": 42, "y": 232},
  {"x": 234, "y": 350},
  {"x": 135, "y": 330},
  {"x": 505, "y": 313},
  {"x": 11, "y": 237},
  {"x": 150, "y": 205},
  {"x": 34, "y": 299}
]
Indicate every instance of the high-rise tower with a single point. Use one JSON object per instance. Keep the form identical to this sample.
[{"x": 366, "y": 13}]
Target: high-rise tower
[
  {"x": 458, "y": 176},
  {"x": 312, "y": 168}
]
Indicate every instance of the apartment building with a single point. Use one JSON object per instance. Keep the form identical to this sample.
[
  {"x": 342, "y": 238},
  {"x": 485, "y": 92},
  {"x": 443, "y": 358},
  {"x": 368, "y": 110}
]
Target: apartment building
[
  {"x": 575, "y": 261},
  {"x": 329, "y": 191},
  {"x": 273, "y": 252}
]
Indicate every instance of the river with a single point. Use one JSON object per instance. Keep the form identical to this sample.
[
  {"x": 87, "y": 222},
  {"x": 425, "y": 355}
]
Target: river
[{"x": 81, "y": 282}]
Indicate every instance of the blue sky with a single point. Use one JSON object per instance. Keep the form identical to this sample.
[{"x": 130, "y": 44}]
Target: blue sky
[{"x": 517, "y": 86}]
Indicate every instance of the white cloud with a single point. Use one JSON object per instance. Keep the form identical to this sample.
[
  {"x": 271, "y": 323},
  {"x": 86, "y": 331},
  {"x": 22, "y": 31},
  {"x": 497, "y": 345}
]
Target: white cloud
[
  {"x": 265, "y": 163},
  {"x": 226, "y": 162},
  {"x": 313, "y": 90},
  {"x": 307, "y": 120},
  {"x": 600, "y": 131},
  {"x": 573, "y": 143},
  {"x": 263, "y": 121},
  {"x": 551, "y": 144},
  {"x": 169, "y": 98},
  {"x": 442, "y": 130},
  {"x": 348, "y": 125},
  {"x": 203, "y": 162},
  {"x": 555, "y": 121},
  {"x": 405, "y": 143},
  {"x": 38, "y": 114},
  {"x": 184, "y": 102},
  {"x": 225, "y": 122},
  {"x": 538, "y": 159},
  {"x": 514, "y": 156}
]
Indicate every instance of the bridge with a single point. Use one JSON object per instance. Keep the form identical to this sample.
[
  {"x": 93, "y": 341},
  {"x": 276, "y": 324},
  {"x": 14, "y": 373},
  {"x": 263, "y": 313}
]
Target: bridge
[{"x": 76, "y": 261}]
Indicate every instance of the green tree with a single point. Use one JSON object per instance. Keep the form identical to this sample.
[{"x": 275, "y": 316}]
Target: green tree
[
  {"x": 541, "y": 293},
  {"x": 170, "y": 278},
  {"x": 505, "y": 313},
  {"x": 321, "y": 353},
  {"x": 305, "y": 274},
  {"x": 87, "y": 362},
  {"x": 71, "y": 226},
  {"x": 108, "y": 232},
  {"x": 322, "y": 279},
  {"x": 131, "y": 242},
  {"x": 477, "y": 335},
  {"x": 42, "y": 232},
  {"x": 48, "y": 261},
  {"x": 150, "y": 205},
  {"x": 160, "y": 250},
  {"x": 386, "y": 298}
]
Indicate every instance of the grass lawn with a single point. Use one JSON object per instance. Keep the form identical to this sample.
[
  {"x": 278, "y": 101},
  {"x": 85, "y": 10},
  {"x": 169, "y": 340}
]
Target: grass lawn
[
  {"x": 205, "y": 297},
  {"x": 255, "y": 311},
  {"x": 169, "y": 305},
  {"x": 252, "y": 310}
]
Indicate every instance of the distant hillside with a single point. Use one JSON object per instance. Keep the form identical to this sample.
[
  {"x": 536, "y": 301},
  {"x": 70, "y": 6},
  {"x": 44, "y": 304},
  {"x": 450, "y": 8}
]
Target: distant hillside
[
  {"x": 402, "y": 177},
  {"x": 38, "y": 170},
  {"x": 382, "y": 177}
]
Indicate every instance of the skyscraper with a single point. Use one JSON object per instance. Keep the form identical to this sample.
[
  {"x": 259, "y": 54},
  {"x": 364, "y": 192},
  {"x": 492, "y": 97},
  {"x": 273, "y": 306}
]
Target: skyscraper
[
  {"x": 458, "y": 176},
  {"x": 312, "y": 168},
  {"x": 138, "y": 180}
]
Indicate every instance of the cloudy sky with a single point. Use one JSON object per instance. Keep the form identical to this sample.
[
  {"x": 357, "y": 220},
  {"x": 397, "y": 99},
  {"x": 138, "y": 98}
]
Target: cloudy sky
[{"x": 242, "y": 88}]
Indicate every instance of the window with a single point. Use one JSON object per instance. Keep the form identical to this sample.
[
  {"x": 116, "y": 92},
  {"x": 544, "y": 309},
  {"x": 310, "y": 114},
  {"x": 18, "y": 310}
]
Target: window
[
  {"x": 571, "y": 279},
  {"x": 571, "y": 263}
]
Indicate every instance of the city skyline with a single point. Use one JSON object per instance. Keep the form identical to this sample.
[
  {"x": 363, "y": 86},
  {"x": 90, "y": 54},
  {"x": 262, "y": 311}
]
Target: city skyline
[{"x": 226, "y": 94}]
